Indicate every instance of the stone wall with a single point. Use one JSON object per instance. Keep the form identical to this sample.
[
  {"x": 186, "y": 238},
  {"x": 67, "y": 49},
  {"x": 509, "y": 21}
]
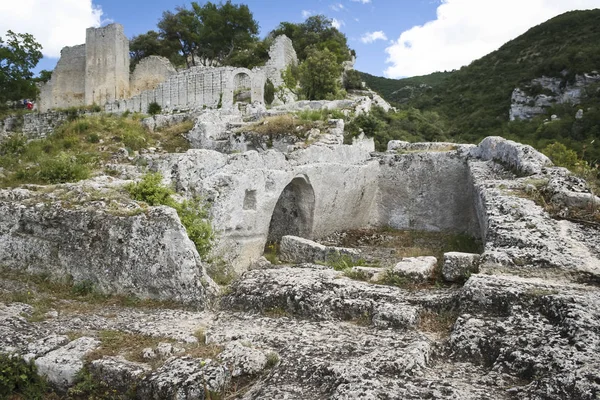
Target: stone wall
[
  {"x": 193, "y": 88},
  {"x": 281, "y": 54},
  {"x": 36, "y": 125},
  {"x": 149, "y": 73},
  {"x": 107, "y": 64},
  {"x": 66, "y": 88},
  {"x": 426, "y": 191},
  {"x": 245, "y": 188}
]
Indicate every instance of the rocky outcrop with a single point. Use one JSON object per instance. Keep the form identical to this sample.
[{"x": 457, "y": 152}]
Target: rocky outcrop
[
  {"x": 130, "y": 251},
  {"x": 298, "y": 250},
  {"x": 525, "y": 106},
  {"x": 61, "y": 366}
]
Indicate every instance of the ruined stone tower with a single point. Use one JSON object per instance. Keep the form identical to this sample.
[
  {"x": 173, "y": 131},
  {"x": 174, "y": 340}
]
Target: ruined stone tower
[
  {"x": 93, "y": 73},
  {"x": 106, "y": 64}
]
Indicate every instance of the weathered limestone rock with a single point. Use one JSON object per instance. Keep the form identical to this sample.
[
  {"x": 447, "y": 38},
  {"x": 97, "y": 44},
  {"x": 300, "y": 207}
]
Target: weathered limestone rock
[
  {"x": 544, "y": 332},
  {"x": 62, "y": 365},
  {"x": 299, "y": 250},
  {"x": 147, "y": 254},
  {"x": 320, "y": 294},
  {"x": 523, "y": 158},
  {"x": 118, "y": 374},
  {"x": 525, "y": 106},
  {"x": 150, "y": 72},
  {"x": 163, "y": 121},
  {"x": 45, "y": 345},
  {"x": 459, "y": 266},
  {"x": 184, "y": 378},
  {"x": 416, "y": 268},
  {"x": 242, "y": 359}
]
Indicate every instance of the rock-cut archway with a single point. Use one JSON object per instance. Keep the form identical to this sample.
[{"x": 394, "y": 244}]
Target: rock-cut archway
[{"x": 293, "y": 213}]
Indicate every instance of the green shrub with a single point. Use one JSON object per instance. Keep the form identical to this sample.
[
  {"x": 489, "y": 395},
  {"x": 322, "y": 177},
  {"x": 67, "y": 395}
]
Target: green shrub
[
  {"x": 154, "y": 108},
  {"x": 150, "y": 190},
  {"x": 269, "y": 92},
  {"x": 352, "y": 80},
  {"x": 561, "y": 155},
  {"x": 62, "y": 168},
  {"x": 14, "y": 145},
  {"x": 192, "y": 213},
  {"x": 194, "y": 216},
  {"x": 20, "y": 378}
]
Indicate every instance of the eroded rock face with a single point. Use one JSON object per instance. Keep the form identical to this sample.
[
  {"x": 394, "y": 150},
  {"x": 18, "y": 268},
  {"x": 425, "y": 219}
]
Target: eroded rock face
[
  {"x": 61, "y": 366},
  {"x": 184, "y": 378},
  {"x": 129, "y": 251},
  {"x": 298, "y": 250}
]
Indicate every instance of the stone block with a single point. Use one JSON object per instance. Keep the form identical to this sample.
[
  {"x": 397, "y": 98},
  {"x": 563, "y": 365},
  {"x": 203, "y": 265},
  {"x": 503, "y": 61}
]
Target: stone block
[
  {"x": 457, "y": 266},
  {"x": 416, "y": 268},
  {"x": 62, "y": 365},
  {"x": 299, "y": 250}
]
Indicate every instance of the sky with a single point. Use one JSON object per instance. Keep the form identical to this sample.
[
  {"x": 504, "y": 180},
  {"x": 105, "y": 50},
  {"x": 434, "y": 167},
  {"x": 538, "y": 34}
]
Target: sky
[{"x": 392, "y": 38}]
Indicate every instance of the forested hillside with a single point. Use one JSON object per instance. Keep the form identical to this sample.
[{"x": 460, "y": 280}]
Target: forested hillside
[{"x": 474, "y": 102}]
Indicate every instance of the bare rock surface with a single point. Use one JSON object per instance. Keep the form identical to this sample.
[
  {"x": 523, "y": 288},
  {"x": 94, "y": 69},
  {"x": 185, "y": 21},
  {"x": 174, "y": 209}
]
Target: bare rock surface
[
  {"x": 126, "y": 250},
  {"x": 299, "y": 250},
  {"x": 60, "y": 366}
]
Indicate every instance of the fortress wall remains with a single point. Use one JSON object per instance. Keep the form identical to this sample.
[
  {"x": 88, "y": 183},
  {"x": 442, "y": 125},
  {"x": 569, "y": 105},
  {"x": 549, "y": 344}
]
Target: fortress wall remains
[
  {"x": 66, "y": 88},
  {"x": 107, "y": 64},
  {"x": 149, "y": 73}
]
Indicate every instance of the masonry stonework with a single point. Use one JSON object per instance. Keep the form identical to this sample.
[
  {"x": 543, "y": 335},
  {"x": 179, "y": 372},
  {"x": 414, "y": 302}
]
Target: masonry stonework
[
  {"x": 149, "y": 73},
  {"x": 67, "y": 86},
  {"x": 107, "y": 64},
  {"x": 98, "y": 73}
]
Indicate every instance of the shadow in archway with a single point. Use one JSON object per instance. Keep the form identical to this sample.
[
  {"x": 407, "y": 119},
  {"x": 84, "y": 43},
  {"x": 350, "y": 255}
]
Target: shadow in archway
[{"x": 293, "y": 213}]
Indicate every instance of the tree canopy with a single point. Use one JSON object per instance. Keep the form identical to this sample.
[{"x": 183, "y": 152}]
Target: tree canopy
[
  {"x": 317, "y": 32},
  {"x": 18, "y": 56},
  {"x": 209, "y": 34}
]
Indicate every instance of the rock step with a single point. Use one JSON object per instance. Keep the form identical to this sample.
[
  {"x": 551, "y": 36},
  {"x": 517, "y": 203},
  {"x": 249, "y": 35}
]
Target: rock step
[{"x": 321, "y": 294}]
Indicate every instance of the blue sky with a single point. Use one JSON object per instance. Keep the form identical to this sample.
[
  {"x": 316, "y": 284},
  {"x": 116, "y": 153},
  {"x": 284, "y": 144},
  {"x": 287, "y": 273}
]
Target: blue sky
[{"x": 394, "y": 38}]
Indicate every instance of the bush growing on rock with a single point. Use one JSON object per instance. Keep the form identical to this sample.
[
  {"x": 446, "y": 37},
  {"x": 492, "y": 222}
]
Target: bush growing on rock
[
  {"x": 154, "y": 108},
  {"x": 192, "y": 213},
  {"x": 18, "y": 378}
]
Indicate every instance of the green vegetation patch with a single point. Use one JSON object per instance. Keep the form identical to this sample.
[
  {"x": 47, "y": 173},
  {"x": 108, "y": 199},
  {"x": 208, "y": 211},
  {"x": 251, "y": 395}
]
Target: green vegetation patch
[
  {"x": 20, "y": 380},
  {"x": 72, "y": 152},
  {"x": 192, "y": 213}
]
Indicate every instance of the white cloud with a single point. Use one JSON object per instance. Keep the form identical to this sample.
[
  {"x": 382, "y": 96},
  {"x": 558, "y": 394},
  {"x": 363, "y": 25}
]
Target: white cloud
[
  {"x": 362, "y": 1},
  {"x": 337, "y": 7},
  {"x": 370, "y": 37},
  {"x": 466, "y": 30},
  {"x": 337, "y": 24},
  {"x": 53, "y": 23},
  {"x": 307, "y": 13}
]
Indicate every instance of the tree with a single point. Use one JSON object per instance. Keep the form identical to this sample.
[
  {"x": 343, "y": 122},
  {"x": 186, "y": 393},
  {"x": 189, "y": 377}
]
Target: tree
[
  {"x": 224, "y": 30},
  {"x": 319, "y": 75},
  {"x": 316, "y": 32},
  {"x": 18, "y": 56},
  {"x": 152, "y": 44},
  {"x": 183, "y": 29}
]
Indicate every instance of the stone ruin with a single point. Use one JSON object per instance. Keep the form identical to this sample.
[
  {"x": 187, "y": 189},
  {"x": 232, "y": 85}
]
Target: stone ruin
[
  {"x": 97, "y": 72},
  {"x": 518, "y": 320}
]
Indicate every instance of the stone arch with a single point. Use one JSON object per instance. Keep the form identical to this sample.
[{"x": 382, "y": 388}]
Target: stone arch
[
  {"x": 242, "y": 87},
  {"x": 243, "y": 78},
  {"x": 294, "y": 211}
]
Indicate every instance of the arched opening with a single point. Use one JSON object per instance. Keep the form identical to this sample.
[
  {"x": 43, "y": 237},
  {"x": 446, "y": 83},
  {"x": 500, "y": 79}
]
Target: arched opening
[
  {"x": 293, "y": 213},
  {"x": 242, "y": 88}
]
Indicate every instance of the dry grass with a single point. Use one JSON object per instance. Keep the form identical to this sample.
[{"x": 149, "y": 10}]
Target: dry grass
[
  {"x": 287, "y": 124},
  {"x": 440, "y": 322},
  {"x": 172, "y": 139}
]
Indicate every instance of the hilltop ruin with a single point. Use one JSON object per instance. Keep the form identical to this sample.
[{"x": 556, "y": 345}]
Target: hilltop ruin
[{"x": 97, "y": 72}]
